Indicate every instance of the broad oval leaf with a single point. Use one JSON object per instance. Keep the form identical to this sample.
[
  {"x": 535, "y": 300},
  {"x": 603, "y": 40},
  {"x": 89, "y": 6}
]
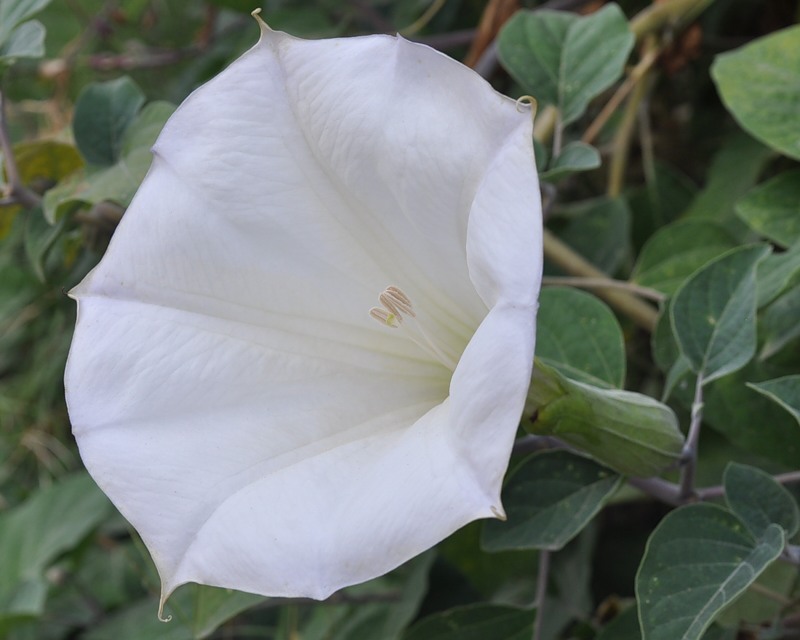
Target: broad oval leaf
[
  {"x": 549, "y": 498},
  {"x": 26, "y": 41},
  {"x": 697, "y": 561},
  {"x": 564, "y": 59},
  {"x": 579, "y": 335},
  {"x": 759, "y": 501},
  {"x": 714, "y": 313},
  {"x": 575, "y": 156},
  {"x": 772, "y": 209},
  {"x": 776, "y": 273},
  {"x": 102, "y": 113},
  {"x": 676, "y": 251},
  {"x": 475, "y": 622},
  {"x": 779, "y": 325},
  {"x": 760, "y": 85},
  {"x": 784, "y": 391},
  {"x": 35, "y": 533}
]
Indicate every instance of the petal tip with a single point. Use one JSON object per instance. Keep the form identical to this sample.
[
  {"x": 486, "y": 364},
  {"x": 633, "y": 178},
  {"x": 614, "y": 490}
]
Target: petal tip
[{"x": 499, "y": 512}]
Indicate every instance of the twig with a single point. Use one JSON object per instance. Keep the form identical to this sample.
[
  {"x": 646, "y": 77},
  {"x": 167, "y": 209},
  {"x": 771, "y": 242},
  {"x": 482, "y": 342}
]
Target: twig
[
  {"x": 659, "y": 14},
  {"x": 424, "y": 19},
  {"x": 709, "y": 493},
  {"x": 629, "y": 305},
  {"x": 541, "y": 592},
  {"x": 604, "y": 283},
  {"x": 636, "y": 75},
  {"x": 16, "y": 192},
  {"x": 624, "y": 134},
  {"x": 660, "y": 489},
  {"x": 692, "y": 440}
]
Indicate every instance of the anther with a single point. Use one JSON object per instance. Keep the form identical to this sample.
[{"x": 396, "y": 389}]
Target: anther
[{"x": 385, "y": 317}]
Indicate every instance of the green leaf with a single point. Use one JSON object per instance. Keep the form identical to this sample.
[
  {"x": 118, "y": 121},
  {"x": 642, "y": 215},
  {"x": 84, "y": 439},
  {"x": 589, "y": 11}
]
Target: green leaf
[
  {"x": 574, "y": 157},
  {"x": 119, "y": 182},
  {"x": 779, "y": 324},
  {"x": 728, "y": 178},
  {"x": 26, "y": 41},
  {"x": 35, "y": 533},
  {"x": 590, "y": 347},
  {"x": 403, "y": 589},
  {"x": 103, "y": 111},
  {"x": 760, "y": 85},
  {"x": 772, "y": 209},
  {"x": 475, "y": 622},
  {"x": 784, "y": 391},
  {"x": 697, "y": 561},
  {"x": 15, "y": 12},
  {"x": 564, "y": 59},
  {"x": 714, "y": 313},
  {"x": 549, "y": 498},
  {"x": 598, "y": 229},
  {"x": 759, "y": 501},
  {"x": 676, "y": 251},
  {"x": 629, "y": 432},
  {"x": 777, "y": 272},
  {"x": 732, "y": 408}
]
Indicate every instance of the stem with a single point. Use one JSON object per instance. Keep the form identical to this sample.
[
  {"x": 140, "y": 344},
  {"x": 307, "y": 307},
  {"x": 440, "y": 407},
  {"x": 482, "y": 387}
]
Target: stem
[
  {"x": 424, "y": 19},
  {"x": 558, "y": 135},
  {"x": 710, "y": 493},
  {"x": 541, "y": 591},
  {"x": 662, "y": 490},
  {"x": 624, "y": 134},
  {"x": 659, "y": 14},
  {"x": 635, "y": 76},
  {"x": 604, "y": 283},
  {"x": 639, "y": 312},
  {"x": 690, "y": 450},
  {"x": 17, "y": 192}
]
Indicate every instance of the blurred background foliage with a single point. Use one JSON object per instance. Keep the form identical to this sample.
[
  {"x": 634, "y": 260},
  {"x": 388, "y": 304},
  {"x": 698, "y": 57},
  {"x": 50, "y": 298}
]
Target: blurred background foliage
[{"x": 688, "y": 164}]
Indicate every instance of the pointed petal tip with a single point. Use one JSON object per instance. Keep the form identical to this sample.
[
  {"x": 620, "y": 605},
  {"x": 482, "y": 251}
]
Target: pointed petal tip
[{"x": 499, "y": 512}]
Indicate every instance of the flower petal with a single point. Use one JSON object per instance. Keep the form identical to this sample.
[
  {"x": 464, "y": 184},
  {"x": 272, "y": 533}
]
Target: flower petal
[{"x": 226, "y": 384}]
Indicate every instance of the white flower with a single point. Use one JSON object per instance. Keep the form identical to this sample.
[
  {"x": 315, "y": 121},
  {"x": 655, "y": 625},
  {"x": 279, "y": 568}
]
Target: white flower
[{"x": 304, "y": 357}]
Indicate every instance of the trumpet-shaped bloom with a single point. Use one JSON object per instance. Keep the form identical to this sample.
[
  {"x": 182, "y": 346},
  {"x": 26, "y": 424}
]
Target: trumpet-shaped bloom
[{"x": 304, "y": 357}]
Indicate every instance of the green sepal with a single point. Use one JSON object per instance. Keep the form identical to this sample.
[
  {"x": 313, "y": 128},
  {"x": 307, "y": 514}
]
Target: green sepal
[{"x": 632, "y": 433}]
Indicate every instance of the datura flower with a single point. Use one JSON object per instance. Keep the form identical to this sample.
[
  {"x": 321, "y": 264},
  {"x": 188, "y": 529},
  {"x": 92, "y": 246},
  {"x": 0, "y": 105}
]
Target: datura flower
[{"x": 304, "y": 357}]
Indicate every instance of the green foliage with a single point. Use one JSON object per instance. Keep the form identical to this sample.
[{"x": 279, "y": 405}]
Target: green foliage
[
  {"x": 35, "y": 533},
  {"x": 566, "y": 60},
  {"x": 785, "y": 391},
  {"x": 549, "y": 498},
  {"x": 692, "y": 198},
  {"x": 474, "y": 623},
  {"x": 103, "y": 112},
  {"x": 590, "y": 347},
  {"x": 713, "y": 314},
  {"x": 698, "y": 560},
  {"x": 760, "y": 85},
  {"x": 20, "y": 37},
  {"x": 773, "y": 208}
]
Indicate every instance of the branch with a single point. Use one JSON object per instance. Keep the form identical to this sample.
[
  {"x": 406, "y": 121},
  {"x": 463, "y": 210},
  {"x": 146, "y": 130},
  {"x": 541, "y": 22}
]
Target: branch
[
  {"x": 604, "y": 283},
  {"x": 629, "y": 305},
  {"x": 541, "y": 591},
  {"x": 16, "y": 192},
  {"x": 692, "y": 440}
]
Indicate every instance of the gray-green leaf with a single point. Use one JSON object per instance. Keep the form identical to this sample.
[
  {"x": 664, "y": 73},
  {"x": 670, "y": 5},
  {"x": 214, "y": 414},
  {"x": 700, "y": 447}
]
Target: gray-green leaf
[
  {"x": 676, "y": 251},
  {"x": 772, "y": 209},
  {"x": 759, "y": 500},
  {"x": 714, "y": 313},
  {"x": 549, "y": 498},
  {"x": 475, "y": 622},
  {"x": 784, "y": 391},
  {"x": 575, "y": 156},
  {"x": 565, "y": 59},
  {"x": 760, "y": 85},
  {"x": 103, "y": 112},
  {"x": 580, "y": 336},
  {"x": 697, "y": 561}
]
